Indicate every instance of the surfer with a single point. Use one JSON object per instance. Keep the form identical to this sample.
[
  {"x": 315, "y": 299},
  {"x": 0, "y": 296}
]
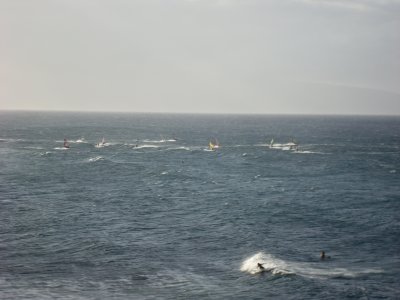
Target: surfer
[
  {"x": 323, "y": 256},
  {"x": 260, "y": 266}
]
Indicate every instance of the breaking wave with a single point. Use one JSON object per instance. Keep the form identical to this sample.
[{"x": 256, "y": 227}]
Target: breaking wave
[
  {"x": 319, "y": 269},
  {"x": 270, "y": 264}
]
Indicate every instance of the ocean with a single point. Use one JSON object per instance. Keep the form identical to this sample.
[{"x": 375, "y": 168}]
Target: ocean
[{"x": 154, "y": 214}]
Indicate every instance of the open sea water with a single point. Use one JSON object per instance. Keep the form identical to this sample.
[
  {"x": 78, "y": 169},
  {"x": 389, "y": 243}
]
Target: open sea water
[{"x": 154, "y": 214}]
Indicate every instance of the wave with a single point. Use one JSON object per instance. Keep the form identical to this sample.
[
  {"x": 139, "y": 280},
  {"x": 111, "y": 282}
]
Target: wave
[
  {"x": 278, "y": 266},
  {"x": 270, "y": 264},
  {"x": 33, "y": 147},
  {"x": 61, "y": 148},
  {"x": 94, "y": 159},
  {"x": 130, "y": 145},
  {"x": 160, "y": 141},
  {"x": 163, "y": 147},
  {"x": 81, "y": 140},
  {"x": 10, "y": 140},
  {"x": 307, "y": 152},
  {"x": 78, "y": 141},
  {"x": 146, "y": 146},
  {"x": 180, "y": 148},
  {"x": 193, "y": 281}
]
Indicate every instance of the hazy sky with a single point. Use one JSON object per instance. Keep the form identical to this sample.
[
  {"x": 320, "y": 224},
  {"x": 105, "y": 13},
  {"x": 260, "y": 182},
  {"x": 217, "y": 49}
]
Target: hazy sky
[{"x": 219, "y": 56}]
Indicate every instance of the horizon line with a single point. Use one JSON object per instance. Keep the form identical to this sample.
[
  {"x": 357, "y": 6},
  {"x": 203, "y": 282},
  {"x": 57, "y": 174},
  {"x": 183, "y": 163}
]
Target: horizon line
[{"x": 195, "y": 113}]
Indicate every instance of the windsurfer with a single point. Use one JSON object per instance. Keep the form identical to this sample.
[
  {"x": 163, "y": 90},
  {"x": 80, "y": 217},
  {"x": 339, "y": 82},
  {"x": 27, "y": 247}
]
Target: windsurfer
[{"x": 66, "y": 145}]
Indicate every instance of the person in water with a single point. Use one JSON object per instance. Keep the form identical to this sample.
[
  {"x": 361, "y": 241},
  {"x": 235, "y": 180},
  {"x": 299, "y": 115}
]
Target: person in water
[
  {"x": 323, "y": 256},
  {"x": 260, "y": 266}
]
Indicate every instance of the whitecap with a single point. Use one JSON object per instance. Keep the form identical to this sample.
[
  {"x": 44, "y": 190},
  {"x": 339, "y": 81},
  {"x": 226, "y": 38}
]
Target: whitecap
[
  {"x": 307, "y": 152},
  {"x": 147, "y": 146},
  {"x": 94, "y": 159},
  {"x": 159, "y": 141},
  {"x": 180, "y": 148}
]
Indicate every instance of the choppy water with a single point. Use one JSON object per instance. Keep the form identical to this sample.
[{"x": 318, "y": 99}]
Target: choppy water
[{"x": 154, "y": 215}]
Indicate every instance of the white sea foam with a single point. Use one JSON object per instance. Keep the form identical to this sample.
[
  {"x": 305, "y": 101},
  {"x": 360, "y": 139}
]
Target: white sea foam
[
  {"x": 160, "y": 141},
  {"x": 34, "y": 147},
  {"x": 61, "y": 148},
  {"x": 312, "y": 270},
  {"x": 97, "y": 158},
  {"x": 180, "y": 148},
  {"x": 307, "y": 152},
  {"x": 270, "y": 264},
  {"x": 11, "y": 140},
  {"x": 146, "y": 146}
]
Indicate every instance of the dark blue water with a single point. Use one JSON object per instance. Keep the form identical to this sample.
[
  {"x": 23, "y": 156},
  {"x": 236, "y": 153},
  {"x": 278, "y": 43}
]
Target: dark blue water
[{"x": 154, "y": 215}]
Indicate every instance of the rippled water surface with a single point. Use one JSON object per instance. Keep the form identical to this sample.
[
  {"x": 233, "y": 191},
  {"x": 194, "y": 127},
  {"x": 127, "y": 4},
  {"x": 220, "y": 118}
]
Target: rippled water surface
[{"x": 154, "y": 214}]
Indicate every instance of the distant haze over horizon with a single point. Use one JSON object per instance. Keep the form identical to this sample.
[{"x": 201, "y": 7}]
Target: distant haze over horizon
[
  {"x": 104, "y": 112},
  {"x": 201, "y": 56}
]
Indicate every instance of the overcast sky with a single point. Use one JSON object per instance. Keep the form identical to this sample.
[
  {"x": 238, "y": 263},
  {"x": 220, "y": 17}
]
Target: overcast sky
[{"x": 217, "y": 56}]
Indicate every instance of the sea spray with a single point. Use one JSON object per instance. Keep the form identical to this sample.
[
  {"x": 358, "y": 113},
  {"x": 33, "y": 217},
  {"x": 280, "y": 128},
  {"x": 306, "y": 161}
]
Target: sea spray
[
  {"x": 269, "y": 263},
  {"x": 318, "y": 269}
]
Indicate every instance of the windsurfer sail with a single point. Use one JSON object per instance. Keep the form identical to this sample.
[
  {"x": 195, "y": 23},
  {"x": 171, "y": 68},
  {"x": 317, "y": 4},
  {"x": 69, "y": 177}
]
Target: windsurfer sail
[
  {"x": 271, "y": 144},
  {"x": 213, "y": 145},
  {"x": 101, "y": 144},
  {"x": 292, "y": 145},
  {"x": 66, "y": 144}
]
